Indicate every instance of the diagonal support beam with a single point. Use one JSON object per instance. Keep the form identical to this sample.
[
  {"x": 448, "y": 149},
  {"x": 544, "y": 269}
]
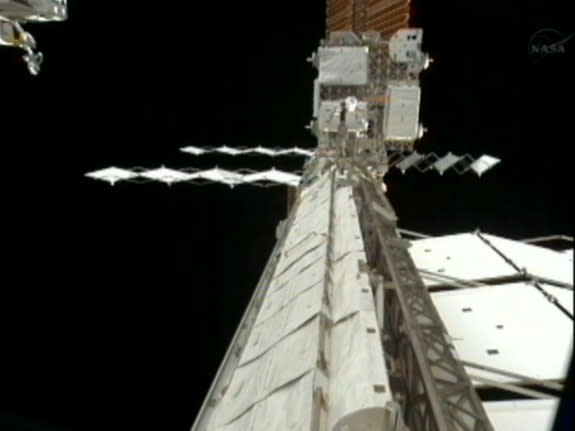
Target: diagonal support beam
[
  {"x": 523, "y": 378},
  {"x": 434, "y": 376}
]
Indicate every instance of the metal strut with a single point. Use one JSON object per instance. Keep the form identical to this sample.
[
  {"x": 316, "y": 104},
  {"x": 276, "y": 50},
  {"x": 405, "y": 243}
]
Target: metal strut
[
  {"x": 535, "y": 283},
  {"x": 437, "y": 393}
]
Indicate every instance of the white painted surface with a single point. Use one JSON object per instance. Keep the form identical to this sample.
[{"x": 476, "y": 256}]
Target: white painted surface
[
  {"x": 169, "y": 176},
  {"x": 532, "y": 337},
  {"x": 235, "y": 151},
  {"x": 466, "y": 256},
  {"x": 524, "y": 415},
  {"x": 483, "y": 164},
  {"x": 272, "y": 414},
  {"x": 401, "y": 113},
  {"x": 358, "y": 381},
  {"x": 347, "y": 295},
  {"x": 281, "y": 365},
  {"x": 343, "y": 65}
]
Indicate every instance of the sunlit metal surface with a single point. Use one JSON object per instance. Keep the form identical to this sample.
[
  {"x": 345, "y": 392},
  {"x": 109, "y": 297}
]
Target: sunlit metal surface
[
  {"x": 524, "y": 415},
  {"x": 15, "y": 12},
  {"x": 237, "y": 151},
  {"x": 401, "y": 113},
  {"x": 343, "y": 65},
  {"x": 34, "y": 10},
  {"x": 483, "y": 164},
  {"x": 215, "y": 175},
  {"x": 465, "y": 256},
  {"x": 342, "y": 331},
  {"x": 446, "y": 162},
  {"x": 436, "y": 392},
  {"x": 315, "y": 323},
  {"x": 499, "y": 326}
]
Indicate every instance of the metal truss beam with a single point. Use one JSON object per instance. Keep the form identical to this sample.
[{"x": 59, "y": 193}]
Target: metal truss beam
[
  {"x": 513, "y": 388},
  {"x": 548, "y": 238},
  {"x": 524, "y": 379},
  {"x": 406, "y": 232},
  {"x": 437, "y": 394}
]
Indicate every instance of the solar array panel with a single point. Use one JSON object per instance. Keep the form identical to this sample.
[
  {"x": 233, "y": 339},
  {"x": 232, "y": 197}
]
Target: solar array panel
[{"x": 383, "y": 16}]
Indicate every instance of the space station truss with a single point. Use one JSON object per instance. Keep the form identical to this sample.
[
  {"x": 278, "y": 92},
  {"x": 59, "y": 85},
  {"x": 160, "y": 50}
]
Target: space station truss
[
  {"x": 474, "y": 281},
  {"x": 345, "y": 331},
  {"x": 342, "y": 288},
  {"x": 338, "y": 284},
  {"x": 436, "y": 391},
  {"x": 311, "y": 321}
]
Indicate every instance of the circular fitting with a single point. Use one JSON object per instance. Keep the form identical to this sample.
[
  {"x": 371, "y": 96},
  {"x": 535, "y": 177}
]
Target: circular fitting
[{"x": 351, "y": 104}]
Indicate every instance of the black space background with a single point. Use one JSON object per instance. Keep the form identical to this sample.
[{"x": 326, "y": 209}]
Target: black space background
[{"x": 117, "y": 303}]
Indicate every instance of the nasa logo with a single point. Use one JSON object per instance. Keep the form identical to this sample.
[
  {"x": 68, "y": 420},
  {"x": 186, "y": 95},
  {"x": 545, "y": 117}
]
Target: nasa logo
[{"x": 546, "y": 42}]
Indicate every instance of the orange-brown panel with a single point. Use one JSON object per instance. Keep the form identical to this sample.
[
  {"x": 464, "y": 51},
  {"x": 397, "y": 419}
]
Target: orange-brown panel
[
  {"x": 384, "y": 16},
  {"x": 390, "y": 22},
  {"x": 340, "y": 6},
  {"x": 388, "y": 16},
  {"x": 340, "y": 15},
  {"x": 344, "y": 14},
  {"x": 389, "y": 8},
  {"x": 340, "y": 22},
  {"x": 392, "y": 27},
  {"x": 377, "y": 22}
]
